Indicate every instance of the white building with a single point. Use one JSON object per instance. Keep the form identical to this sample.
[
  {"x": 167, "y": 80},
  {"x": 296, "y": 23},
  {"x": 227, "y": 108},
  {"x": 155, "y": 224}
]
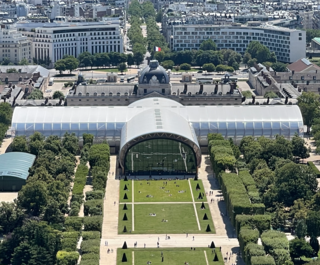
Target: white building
[
  {"x": 54, "y": 40},
  {"x": 13, "y": 45},
  {"x": 288, "y": 44}
]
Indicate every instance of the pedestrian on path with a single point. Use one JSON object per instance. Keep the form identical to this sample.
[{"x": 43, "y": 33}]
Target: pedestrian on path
[
  {"x": 193, "y": 238},
  {"x": 144, "y": 245},
  {"x": 158, "y": 238},
  {"x": 106, "y": 243},
  {"x": 114, "y": 203},
  {"x": 187, "y": 235}
]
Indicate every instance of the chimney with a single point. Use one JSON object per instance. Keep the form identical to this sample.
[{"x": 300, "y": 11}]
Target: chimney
[
  {"x": 286, "y": 102},
  {"x": 46, "y": 101},
  {"x": 292, "y": 72},
  {"x": 185, "y": 90},
  {"x": 60, "y": 101},
  {"x": 253, "y": 100},
  {"x": 243, "y": 99},
  {"x": 268, "y": 100},
  {"x": 6, "y": 80},
  {"x": 201, "y": 89},
  {"x": 216, "y": 89}
]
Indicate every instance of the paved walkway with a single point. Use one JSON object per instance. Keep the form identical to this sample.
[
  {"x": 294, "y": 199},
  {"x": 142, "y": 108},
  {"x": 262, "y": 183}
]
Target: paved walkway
[
  {"x": 223, "y": 238},
  {"x": 5, "y": 144}
]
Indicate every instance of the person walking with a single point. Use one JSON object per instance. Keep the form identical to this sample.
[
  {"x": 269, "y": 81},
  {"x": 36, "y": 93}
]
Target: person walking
[{"x": 193, "y": 238}]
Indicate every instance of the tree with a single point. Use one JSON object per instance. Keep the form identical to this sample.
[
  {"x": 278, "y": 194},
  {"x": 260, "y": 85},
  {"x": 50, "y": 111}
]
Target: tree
[
  {"x": 159, "y": 56},
  {"x": 36, "y": 94},
  {"x": 299, "y": 247},
  {"x": 130, "y": 60},
  {"x": 86, "y": 59},
  {"x": 252, "y": 62},
  {"x": 35, "y": 147},
  {"x": 87, "y": 139},
  {"x": 12, "y": 70},
  {"x": 246, "y": 58},
  {"x": 70, "y": 62},
  {"x": 235, "y": 66},
  {"x": 24, "y": 61},
  {"x": 301, "y": 228},
  {"x": 185, "y": 66},
  {"x": 168, "y": 64},
  {"x": 313, "y": 224},
  {"x": 52, "y": 213},
  {"x": 138, "y": 57},
  {"x": 6, "y": 61},
  {"x": 247, "y": 94},
  {"x": 294, "y": 181},
  {"x": 208, "y": 45},
  {"x": 58, "y": 95},
  {"x": 209, "y": 67},
  {"x": 220, "y": 68},
  {"x": 148, "y": 9},
  {"x": 10, "y": 217},
  {"x": 33, "y": 197},
  {"x": 159, "y": 16},
  {"x": 122, "y": 67},
  {"x": 203, "y": 57},
  {"x": 279, "y": 67},
  {"x": 19, "y": 144},
  {"x": 299, "y": 148},
  {"x": 60, "y": 66},
  {"x": 309, "y": 106}
]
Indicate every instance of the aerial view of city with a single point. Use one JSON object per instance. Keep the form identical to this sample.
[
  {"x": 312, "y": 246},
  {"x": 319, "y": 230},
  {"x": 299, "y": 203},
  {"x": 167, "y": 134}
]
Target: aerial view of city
[{"x": 149, "y": 132}]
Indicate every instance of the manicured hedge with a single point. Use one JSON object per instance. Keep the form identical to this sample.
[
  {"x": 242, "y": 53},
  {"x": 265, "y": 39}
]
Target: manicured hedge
[
  {"x": 260, "y": 222},
  {"x": 69, "y": 244},
  {"x": 280, "y": 255},
  {"x": 215, "y": 136},
  {"x": 86, "y": 235},
  {"x": 314, "y": 168},
  {"x": 272, "y": 240},
  {"x": 73, "y": 223},
  {"x": 67, "y": 258},
  {"x": 71, "y": 235},
  {"x": 246, "y": 236},
  {"x": 266, "y": 260},
  {"x": 90, "y": 246},
  {"x": 246, "y": 178},
  {"x": 93, "y": 207},
  {"x": 75, "y": 204},
  {"x": 94, "y": 195},
  {"x": 93, "y": 223},
  {"x": 89, "y": 262},
  {"x": 253, "y": 250},
  {"x": 90, "y": 257}
]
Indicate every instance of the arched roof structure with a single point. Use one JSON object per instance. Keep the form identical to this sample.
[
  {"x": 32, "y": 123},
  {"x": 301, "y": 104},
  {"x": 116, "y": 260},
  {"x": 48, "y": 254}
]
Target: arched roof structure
[
  {"x": 158, "y": 123},
  {"x": 16, "y": 164}
]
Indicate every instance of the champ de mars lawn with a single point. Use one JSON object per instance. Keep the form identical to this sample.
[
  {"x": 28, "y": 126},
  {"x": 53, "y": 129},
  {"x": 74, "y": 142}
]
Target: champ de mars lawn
[{"x": 171, "y": 256}]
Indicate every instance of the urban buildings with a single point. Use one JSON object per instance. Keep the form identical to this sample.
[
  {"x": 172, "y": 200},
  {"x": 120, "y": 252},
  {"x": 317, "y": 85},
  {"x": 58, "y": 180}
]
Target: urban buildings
[
  {"x": 13, "y": 45},
  {"x": 286, "y": 43}
]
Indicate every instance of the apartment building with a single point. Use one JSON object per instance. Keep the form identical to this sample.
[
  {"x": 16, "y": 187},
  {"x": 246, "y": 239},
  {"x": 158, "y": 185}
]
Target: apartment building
[
  {"x": 288, "y": 44},
  {"x": 54, "y": 40},
  {"x": 13, "y": 45}
]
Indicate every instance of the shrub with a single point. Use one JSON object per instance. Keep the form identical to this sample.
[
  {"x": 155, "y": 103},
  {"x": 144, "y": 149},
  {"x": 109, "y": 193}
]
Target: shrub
[
  {"x": 280, "y": 256},
  {"x": 266, "y": 260},
  {"x": 272, "y": 240},
  {"x": 90, "y": 257},
  {"x": 185, "y": 66},
  {"x": 246, "y": 178},
  {"x": 69, "y": 244},
  {"x": 168, "y": 64},
  {"x": 73, "y": 223},
  {"x": 215, "y": 136},
  {"x": 86, "y": 235},
  {"x": 94, "y": 195},
  {"x": 246, "y": 236},
  {"x": 67, "y": 258},
  {"x": 89, "y": 262},
  {"x": 260, "y": 222},
  {"x": 253, "y": 250},
  {"x": 314, "y": 168},
  {"x": 93, "y": 223},
  {"x": 90, "y": 246},
  {"x": 93, "y": 207},
  {"x": 71, "y": 235}
]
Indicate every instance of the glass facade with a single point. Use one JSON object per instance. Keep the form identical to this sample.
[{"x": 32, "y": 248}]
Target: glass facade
[{"x": 160, "y": 157}]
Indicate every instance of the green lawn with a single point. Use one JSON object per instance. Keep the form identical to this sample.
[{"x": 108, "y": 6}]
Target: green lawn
[
  {"x": 171, "y": 256},
  {"x": 162, "y": 192},
  {"x": 205, "y": 223},
  {"x": 181, "y": 71},
  {"x": 128, "y": 191},
  {"x": 197, "y": 192},
  {"x": 123, "y": 223},
  {"x": 108, "y": 70},
  {"x": 180, "y": 219}
]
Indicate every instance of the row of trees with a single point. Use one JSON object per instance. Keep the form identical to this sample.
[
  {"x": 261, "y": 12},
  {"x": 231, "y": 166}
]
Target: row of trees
[
  {"x": 5, "y": 119},
  {"x": 7, "y": 61}
]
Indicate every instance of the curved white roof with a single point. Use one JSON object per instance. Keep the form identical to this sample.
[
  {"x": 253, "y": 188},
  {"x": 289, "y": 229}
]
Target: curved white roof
[
  {"x": 155, "y": 102},
  {"x": 157, "y": 120}
]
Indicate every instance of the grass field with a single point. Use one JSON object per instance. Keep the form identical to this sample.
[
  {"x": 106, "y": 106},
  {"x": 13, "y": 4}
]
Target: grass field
[
  {"x": 172, "y": 256},
  {"x": 196, "y": 192},
  {"x": 162, "y": 191},
  {"x": 180, "y": 219}
]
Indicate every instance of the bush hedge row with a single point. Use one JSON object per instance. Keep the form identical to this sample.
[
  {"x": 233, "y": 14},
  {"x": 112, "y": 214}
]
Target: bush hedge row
[
  {"x": 93, "y": 223},
  {"x": 69, "y": 244},
  {"x": 86, "y": 235},
  {"x": 252, "y": 250},
  {"x": 259, "y": 221},
  {"x": 90, "y": 247},
  {"x": 221, "y": 155},
  {"x": 265, "y": 260},
  {"x": 73, "y": 223},
  {"x": 93, "y": 207},
  {"x": 237, "y": 198},
  {"x": 94, "y": 195},
  {"x": 67, "y": 258},
  {"x": 314, "y": 168},
  {"x": 246, "y": 236},
  {"x": 99, "y": 159}
]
